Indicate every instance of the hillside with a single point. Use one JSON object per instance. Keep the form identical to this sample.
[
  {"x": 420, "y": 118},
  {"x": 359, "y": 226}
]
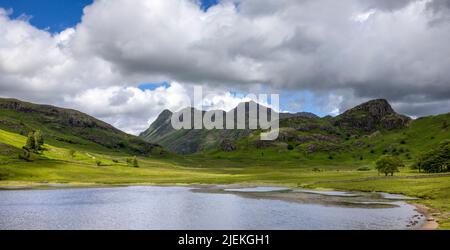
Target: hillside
[
  {"x": 188, "y": 141},
  {"x": 66, "y": 127},
  {"x": 301, "y": 132}
]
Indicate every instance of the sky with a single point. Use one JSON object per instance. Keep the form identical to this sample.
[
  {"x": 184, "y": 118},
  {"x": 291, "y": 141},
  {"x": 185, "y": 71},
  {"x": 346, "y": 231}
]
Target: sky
[{"x": 125, "y": 61}]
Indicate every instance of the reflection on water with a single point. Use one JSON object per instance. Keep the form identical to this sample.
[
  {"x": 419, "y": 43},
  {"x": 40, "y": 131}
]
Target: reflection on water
[
  {"x": 179, "y": 208},
  {"x": 256, "y": 189}
]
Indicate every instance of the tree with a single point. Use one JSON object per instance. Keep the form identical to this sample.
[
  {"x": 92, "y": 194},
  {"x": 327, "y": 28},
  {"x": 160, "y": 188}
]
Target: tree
[
  {"x": 135, "y": 162},
  {"x": 39, "y": 139},
  {"x": 25, "y": 155},
  {"x": 31, "y": 143},
  {"x": 388, "y": 164},
  {"x": 436, "y": 160}
]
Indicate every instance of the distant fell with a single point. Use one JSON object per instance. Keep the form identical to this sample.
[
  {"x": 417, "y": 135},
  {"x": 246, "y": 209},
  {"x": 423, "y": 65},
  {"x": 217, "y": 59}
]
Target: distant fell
[{"x": 67, "y": 126}]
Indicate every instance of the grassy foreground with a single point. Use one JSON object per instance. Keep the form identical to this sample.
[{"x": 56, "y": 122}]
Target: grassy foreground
[{"x": 56, "y": 165}]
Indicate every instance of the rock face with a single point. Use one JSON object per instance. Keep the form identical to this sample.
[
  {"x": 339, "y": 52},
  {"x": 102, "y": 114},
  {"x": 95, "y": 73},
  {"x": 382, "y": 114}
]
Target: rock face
[{"x": 372, "y": 115}]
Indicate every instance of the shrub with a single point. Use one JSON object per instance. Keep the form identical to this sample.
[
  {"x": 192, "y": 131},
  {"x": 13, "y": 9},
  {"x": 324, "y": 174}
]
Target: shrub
[
  {"x": 330, "y": 157},
  {"x": 98, "y": 162},
  {"x": 115, "y": 161},
  {"x": 290, "y": 147},
  {"x": 72, "y": 153},
  {"x": 403, "y": 142},
  {"x": 365, "y": 168},
  {"x": 135, "y": 162},
  {"x": 316, "y": 170}
]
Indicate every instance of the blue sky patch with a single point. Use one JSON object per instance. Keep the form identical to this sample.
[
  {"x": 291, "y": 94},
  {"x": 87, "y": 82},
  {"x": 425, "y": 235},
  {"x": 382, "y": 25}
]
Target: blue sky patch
[
  {"x": 52, "y": 15},
  {"x": 206, "y": 4},
  {"x": 58, "y": 15},
  {"x": 153, "y": 86}
]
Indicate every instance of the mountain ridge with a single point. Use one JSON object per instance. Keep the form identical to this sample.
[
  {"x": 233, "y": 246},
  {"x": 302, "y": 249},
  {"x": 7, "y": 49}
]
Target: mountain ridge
[{"x": 365, "y": 118}]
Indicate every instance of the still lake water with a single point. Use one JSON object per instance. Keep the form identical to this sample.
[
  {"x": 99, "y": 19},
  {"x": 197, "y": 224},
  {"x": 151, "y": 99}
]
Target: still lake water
[{"x": 180, "y": 208}]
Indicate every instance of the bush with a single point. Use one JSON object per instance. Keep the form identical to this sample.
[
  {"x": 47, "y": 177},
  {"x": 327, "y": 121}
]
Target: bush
[
  {"x": 115, "y": 161},
  {"x": 403, "y": 142},
  {"x": 135, "y": 162},
  {"x": 290, "y": 147},
  {"x": 316, "y": 170},
  {"x": 72, "y": 153},
  {"x": 98, "y": 162},
  {"x": 365, "y": 168},
  {"x": 436, "y": 160},
  {"x": 388, "y": 164},
  {"x": 330, "y": 157}
]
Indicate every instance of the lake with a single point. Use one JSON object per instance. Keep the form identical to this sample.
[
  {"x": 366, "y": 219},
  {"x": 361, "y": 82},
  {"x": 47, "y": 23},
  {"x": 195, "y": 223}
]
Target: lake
[{"x": 151, "y": 207}]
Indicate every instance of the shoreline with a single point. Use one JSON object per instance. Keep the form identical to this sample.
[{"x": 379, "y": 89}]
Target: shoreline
[{"x": 430, "y": 223}]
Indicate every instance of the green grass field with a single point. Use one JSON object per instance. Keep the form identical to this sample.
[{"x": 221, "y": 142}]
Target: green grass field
[{"x": 55, "y": 165}]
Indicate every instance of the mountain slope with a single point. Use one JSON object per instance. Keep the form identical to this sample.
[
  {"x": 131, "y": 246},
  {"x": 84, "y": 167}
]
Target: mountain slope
[
  {"x": 187, "y": 141},
  {"x": 304, "y": 131},
  {"x": 69, "y": 127}
]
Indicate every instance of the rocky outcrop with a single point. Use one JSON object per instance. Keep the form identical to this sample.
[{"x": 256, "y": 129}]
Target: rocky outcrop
[
  {"x": 371, "y": 116},
  {"x": 227, "y": 145}
]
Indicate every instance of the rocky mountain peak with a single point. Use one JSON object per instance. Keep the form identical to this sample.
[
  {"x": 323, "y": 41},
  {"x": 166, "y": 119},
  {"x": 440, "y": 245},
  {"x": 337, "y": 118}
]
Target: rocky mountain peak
[
  {"x": 376, "y": 108},
  {"x": 372, "y": 115}
]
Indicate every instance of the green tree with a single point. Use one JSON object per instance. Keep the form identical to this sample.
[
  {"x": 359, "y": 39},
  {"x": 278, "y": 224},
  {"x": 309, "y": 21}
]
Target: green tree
[
  {"x": 135, "y": 162},
  {"x": 436, "y": 160},
  {"x": 39, "y": 140},
  {"x": 25, "y": 155},
  {"x": 388, "y": 164},
  {"x": 31, "y": 142}
]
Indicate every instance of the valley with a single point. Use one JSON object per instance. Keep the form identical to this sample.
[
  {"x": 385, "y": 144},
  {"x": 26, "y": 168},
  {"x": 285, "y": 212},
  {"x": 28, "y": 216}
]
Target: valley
[{"x": 72, "y": 157}]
